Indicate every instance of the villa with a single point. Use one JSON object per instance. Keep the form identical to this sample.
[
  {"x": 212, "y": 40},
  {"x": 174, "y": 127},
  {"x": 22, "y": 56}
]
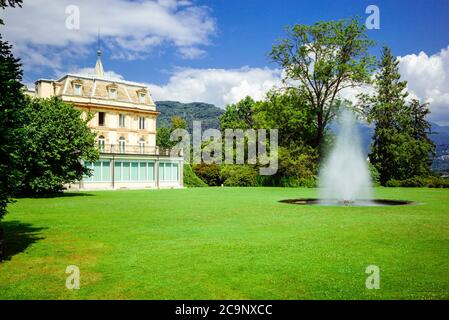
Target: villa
[{"x": 124, "y": 118}]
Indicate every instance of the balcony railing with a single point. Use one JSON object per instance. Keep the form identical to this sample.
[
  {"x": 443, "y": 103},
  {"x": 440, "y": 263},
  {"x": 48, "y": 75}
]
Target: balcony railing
[{"x": 138, "y": 149}]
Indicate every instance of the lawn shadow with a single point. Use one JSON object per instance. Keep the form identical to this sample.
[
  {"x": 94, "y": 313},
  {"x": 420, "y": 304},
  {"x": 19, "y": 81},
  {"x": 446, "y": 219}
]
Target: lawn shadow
[
  {"x": 17, "y": 237},
  {"x": 55, "y": 195}
]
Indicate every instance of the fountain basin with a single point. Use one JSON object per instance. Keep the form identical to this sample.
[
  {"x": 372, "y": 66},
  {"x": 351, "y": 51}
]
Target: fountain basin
[{"x": 357, "y": 203}]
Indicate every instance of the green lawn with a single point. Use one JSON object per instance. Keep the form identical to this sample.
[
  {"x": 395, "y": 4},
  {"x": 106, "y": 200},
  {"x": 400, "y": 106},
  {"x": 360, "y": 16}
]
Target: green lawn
[{"x": 225, "y": 243}]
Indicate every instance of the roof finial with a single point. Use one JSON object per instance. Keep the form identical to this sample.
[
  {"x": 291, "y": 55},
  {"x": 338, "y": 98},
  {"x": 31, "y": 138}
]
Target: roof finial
[
  {"x": 99, "y": 66},
  {"x": 99, "y": 43}
]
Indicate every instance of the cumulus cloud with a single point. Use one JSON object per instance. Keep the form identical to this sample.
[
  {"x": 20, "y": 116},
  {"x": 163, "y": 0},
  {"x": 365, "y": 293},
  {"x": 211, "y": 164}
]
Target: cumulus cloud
[
  {"x": 132, "y": 29},
  {"x": 112, "y": 75},
  {"x": 428, "y": 80},
  {"x": 217, "y": 86}
]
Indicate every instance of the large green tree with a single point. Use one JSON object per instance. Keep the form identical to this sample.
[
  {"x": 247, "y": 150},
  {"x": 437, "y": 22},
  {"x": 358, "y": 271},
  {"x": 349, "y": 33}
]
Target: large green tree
[
  {"x": 239, "y": 115},
  {"x": 323, "y": 59},
  {"x": 11, "y": 101},
  {"x": 288, "y": 111},
  {"x": 401, "y": 148},
  {"x": 55, "y": 141}
]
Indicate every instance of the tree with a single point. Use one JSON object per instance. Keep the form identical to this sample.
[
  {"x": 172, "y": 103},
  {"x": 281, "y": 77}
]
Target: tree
[
  {"x": 400, "y": 148},
  {"x": 54, "y": 143},
  {"x": 238, "y": 115},
  {"x": 163, "y": 133},
  {"x": 324, "y": 59},
  {"x": 290, "y": 113},
  {"x": 420, "y": 129},
  {"x": 11, "y": 101}
]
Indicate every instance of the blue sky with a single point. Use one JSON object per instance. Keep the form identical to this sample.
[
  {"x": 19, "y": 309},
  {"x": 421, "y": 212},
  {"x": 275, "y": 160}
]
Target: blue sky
[
  {"x": 216, "y": 51},
  {"x": 246, "y": 29}
]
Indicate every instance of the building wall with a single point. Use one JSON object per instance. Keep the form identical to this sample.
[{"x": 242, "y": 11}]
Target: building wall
[
  {"x": 131, "y": 100},
  {"x": 95, "y": 97},
  {"x": 112, "y": 132}
]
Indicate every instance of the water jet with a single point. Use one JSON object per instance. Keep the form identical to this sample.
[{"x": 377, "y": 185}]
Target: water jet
[{"x": 344, "y": 177}]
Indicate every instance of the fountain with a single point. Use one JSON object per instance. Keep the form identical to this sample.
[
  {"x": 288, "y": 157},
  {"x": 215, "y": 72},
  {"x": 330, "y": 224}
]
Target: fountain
[{"x": 344, "y": 178}]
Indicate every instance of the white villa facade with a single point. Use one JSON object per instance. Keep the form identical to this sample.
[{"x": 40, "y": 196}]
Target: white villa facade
[{"x": 124, "y": 119}]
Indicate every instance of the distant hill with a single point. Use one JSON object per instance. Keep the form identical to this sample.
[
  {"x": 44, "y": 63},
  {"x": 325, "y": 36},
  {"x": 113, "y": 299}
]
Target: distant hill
[{"x": 206, "y": 113}]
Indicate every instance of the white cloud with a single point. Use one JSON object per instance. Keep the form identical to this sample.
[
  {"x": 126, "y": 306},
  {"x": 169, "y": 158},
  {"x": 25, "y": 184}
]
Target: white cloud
[
  {"x": 428, "y": 80},
  {"x": 132, "y": 29},
  {"x": 112, "y": 75},
  {"x": 217, "y": 86}
]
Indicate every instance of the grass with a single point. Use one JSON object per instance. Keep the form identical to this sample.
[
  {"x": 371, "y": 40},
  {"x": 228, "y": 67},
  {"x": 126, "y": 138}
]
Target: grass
[{"x": 225, "y": 243}]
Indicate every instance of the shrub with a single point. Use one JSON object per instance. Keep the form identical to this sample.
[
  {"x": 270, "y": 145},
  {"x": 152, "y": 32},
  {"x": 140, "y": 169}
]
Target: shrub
[
  {"x": 287, "y": 182},
  {"x": 209, "y": 173},
  {"x": 297, "y": 168},
  {"x": 239, "y": 176},
  {"x": 190, "y": 178},
  {"x": 419, "y": 182}
]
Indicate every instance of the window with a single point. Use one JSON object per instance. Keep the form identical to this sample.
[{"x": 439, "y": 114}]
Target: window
[
  {"x": 101, "y": 118},
  {"x": 142, "y": 145},
  {"x": 135, "y": 171},
  {"x": 142, "y": 123},
  {"x": 168, "y": 171},
  {"x": 101, "y": 171},
  {"x": 121, "y": 144},
  {"x": 121, "y": 121},
  {"x": 112, "y": 93},
  {"x": 101, "y": 143},
  {"x": 77, "y": 90},
  {"x": 142, "y": 97}
]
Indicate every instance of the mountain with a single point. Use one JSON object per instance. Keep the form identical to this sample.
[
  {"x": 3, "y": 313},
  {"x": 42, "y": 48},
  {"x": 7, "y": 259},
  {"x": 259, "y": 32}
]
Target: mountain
[
  {"x": 208, "y": 114},
  {"x": 441, "y": 134}
]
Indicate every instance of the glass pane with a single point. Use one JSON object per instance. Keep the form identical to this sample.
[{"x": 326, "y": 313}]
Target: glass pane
[
  {"x": 117, "y": 171},
  {"x": 134, "y": 171},
  {"x": 125, "y": 172},
  {"x": 162, "y": 171},
  {"x": 175, "y": 172},
  {"x": 167, "y": 171},
  {"x": 106, "y": 171},
  {"x": 97, "y": 173},
  {"x": 150, "y": 171},
  {"x": 142, "y": 171}
]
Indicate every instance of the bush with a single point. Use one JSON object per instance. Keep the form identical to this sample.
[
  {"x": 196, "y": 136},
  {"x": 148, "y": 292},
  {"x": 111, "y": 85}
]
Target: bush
[
  {"x": 286, "y": 182},
  {"x": 190, "y": 178},
  {"x": 239, "y": 176},
  {"x": 419, "y": 182},
  {"x": 209, "y": 173},
  {"x": 297, "y": 168}
]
